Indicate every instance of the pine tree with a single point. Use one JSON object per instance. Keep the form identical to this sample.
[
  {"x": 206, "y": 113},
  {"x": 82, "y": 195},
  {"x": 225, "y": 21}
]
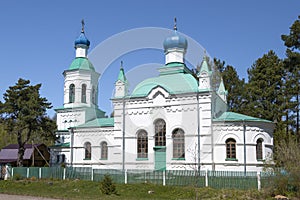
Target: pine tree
[
  {"x": 233, "y": 84},
  {"x": 263, "y": 90},
  {"x": 235, "y": 87},
  {"x": 23, "y": 113},
  {"x": 292, "y": 74},
  {"x": 107, "y": 186}
]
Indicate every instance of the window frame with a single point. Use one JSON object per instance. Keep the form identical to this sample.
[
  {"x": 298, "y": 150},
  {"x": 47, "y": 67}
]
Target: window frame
[
  {"x": 160, "y": 132},
  {"x": 178, "y": 138},
  {"x": 230, "y": 146},
  {"x": 259, "y": 149},
  {"x": 142, "y": 144},
  {"x": 87, "y": 151},
  {"x": 103, "y": 150},
  {"x": 83, "y": 93},
  {"x": 72, "y": 93}
]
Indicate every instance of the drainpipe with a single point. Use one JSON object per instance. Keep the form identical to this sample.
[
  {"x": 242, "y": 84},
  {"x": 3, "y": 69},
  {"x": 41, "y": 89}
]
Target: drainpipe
[
  {"x": 123, "y": 136},
  {"x": 71, "y": 146},
  {"x": 244, "y": 136},
  {"x": 198, "y": 130}
]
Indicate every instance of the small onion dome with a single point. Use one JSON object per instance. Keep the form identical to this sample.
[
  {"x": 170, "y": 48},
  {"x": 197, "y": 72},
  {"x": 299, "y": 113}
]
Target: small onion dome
[
  {"x": 82, "y": 40},
  {"x": 175, "y": 41}
]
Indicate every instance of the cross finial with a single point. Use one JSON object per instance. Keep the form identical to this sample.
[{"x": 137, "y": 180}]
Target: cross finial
[
  {"x": 82, "y": 26},
  {"x": 121, "y": 67},
  {"x": 175, "y": 24}
]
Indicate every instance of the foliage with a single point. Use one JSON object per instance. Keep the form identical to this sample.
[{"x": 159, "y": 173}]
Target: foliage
[
  {"x": 79, "y": 189},
  {"x": 292, "y": 78},
  {"x": 263, "y": 88},
  {"x": 287, "y": 179},
  {"x": 107, "y": 186},
  {"x": 233, "y": 84},
  {"x": 23, "y": 113}
]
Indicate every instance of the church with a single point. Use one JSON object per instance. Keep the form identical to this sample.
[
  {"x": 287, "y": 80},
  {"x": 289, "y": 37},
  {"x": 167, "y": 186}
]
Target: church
[{"x": 175, "y": 121}]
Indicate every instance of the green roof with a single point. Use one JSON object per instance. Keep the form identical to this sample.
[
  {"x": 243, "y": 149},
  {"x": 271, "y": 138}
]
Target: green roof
[
  {"x": 122, "y": 76},
  {"x": 177, "y": 83},
  {"x": 81, "y": 63},
  {"x": 61, "y": 145},
  {"x": 231, "y": 116},
  {"x": 98, "y": 122}
]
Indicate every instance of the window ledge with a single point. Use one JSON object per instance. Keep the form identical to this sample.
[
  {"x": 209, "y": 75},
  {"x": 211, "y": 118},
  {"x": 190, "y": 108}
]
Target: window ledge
[
  {"x": 87, "y": 159},
  {"x": 260, "y": 160},
  {"x": 231, "y": 159},
  {"x": 141, "y": 159},
  {"x": 178, "y": 158},
  {"x": 103, "y": 159}
]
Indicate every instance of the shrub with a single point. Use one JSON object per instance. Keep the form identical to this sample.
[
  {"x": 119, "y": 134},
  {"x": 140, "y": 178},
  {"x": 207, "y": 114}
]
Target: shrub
[
  {"x": 107, "y": 186},
  {"x": 17, "y": 177}
]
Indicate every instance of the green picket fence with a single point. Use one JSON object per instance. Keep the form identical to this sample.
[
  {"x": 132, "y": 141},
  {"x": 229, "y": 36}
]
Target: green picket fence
[
  {"x": 116, "y": 175},
  {"x": 145, "y": 176},
  {"x": 185, "y": 178},
  {"x": 214, "y": 179},
  {"x": 231, "y": 179}
]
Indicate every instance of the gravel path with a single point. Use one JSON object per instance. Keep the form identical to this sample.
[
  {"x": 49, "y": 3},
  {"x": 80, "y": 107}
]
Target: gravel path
[{"x": 17, "y": 197}]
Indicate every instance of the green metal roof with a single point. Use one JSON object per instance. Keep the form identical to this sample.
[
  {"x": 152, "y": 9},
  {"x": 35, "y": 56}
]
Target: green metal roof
[
  {"x": 231, "y": 116},
  {"x": 177, "y": 83},
  {"x": 98, "y": 122},
  {"x": 122, "y": 76},
  {"x": 81, "y": 63},
  {"x": 62, "y": 145},
  {"x": 222, "y": 89}
]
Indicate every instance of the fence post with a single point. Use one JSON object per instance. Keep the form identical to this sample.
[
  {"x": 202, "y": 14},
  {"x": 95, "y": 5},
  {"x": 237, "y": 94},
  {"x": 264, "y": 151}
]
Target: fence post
[
  {"x": 125, "y": 176},
  {"x": 92, "y": 175},
  {"x": 27, "y": 172},
  {"x": 258, "y": 181},
  {"x": 7, "y": 174},
  {"x": 12, "y": 172},
  {"x": 40, "y": 173},
  {"x": 164, "y": 177},
  {"x": 206, "y": 178},
  {"x": 64, "y": 176}
]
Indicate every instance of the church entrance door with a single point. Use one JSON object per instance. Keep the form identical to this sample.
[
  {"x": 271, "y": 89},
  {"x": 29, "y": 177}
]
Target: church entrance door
[{"x": 160, "y": 157}]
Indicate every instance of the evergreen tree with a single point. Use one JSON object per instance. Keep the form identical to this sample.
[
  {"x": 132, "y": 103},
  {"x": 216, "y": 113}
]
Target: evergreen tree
[
  {"x": 235, "y": 87},
  {"x": 23, "y": 113},
  {"x": 263, "y": 91},
  {"x": 292, "y": 74},
  {"x": 233, "y": 84}
]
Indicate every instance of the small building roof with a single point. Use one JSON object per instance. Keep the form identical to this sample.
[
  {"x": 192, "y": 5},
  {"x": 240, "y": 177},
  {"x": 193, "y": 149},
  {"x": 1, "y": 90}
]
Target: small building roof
[
  {"x": 98, "y": 122},
  {"x": 10, "y": 152},
  {"x": 232, "y": 116}
]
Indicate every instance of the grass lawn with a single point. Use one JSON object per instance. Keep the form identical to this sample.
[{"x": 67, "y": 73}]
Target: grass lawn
[{"x": 79, "y": 189}]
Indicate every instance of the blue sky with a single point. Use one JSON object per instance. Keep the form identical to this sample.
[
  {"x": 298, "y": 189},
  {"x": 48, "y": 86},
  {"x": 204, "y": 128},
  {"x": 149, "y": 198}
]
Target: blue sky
[{"x": 38, "y": 36}]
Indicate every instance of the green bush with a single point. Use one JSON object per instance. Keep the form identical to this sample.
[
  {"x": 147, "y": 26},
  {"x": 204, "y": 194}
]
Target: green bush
[
  {"x": 17, "y": 177},
  {"x": 107, "y": 186}
]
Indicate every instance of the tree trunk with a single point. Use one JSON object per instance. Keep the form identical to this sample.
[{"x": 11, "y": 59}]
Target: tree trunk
[
  {"x": 20, "y": 156},
  {"x": 21, "y": 150}
]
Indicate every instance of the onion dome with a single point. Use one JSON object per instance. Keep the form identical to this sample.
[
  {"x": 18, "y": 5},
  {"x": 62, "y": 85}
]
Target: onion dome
[
  {"x": 175, "y": 40},
  {"x": 82, "y": 39}
]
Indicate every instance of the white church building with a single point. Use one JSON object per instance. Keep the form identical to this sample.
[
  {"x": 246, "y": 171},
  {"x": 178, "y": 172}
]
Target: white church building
[{"x": 174, "y": 121}]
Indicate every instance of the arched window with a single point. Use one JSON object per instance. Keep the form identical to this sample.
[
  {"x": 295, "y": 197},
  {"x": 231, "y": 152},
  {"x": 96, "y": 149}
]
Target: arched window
[
  {"x": 230, "y": 148},
  {"x": 259, "y": 150},
  {"x": 93, "y": 95},
  {"x": 72, "y": 93},
  {"x": 104, "y": 150},
  {"x": 178, "y": 143},
  {"x": 142, "y": 144},
  {"x": 83, "y": 93},
  {"x": 88, "y": 150},
  {"x": 160, "y": 133}
]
